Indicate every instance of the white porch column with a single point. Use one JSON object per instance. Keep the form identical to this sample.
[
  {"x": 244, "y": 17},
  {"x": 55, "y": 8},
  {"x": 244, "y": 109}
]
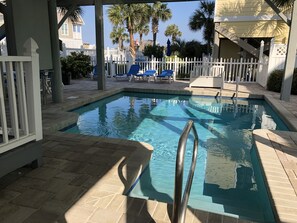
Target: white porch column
[
  {"x": 100, "y": 44},
  {"x": 290, "y": 58},
  {"x": 57, "y": 88},
  {"x": 33, "y": 89}
]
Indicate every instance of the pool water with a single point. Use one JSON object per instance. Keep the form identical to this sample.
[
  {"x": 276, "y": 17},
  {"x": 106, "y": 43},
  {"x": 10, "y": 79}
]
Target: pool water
[{"x": 227, "y": 178}]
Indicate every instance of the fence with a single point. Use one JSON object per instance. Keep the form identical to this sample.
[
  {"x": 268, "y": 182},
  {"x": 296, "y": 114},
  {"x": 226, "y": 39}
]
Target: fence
[
  {"x": 108, "y": 53},
  {"x": 248, "y": 70},
  {"x": 20, "y": 106},
  {"x": 277, "y": 57}
]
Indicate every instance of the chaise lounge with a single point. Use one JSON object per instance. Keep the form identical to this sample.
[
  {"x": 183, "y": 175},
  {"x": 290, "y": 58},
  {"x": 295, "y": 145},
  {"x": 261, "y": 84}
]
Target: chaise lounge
[
  {"x": 146, "y": 76},
  {"x": 134, "y": 69},
  {"x": 165, "y": 75}
]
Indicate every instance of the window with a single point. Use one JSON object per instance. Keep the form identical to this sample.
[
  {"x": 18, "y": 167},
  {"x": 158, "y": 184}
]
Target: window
[
  {"x": 64, "y": 29},
  {"x": 76, "y": 28}
]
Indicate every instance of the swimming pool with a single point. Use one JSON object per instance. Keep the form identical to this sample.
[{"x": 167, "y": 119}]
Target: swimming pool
[{"x": 227, "y": 178}]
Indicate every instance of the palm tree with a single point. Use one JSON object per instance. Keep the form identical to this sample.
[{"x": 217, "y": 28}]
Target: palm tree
[
  {"x": 142, "y": 26},
  {"x": 173, "y": 31},
  {"x": 128, "y": 15},
  {"x": 158, "y": 12},
  {"x": 202, "y": 19},
  {"x": 74, "y": 16},
  {"x": 118, "y": 36},
  {"x": 142, "y": 29}
]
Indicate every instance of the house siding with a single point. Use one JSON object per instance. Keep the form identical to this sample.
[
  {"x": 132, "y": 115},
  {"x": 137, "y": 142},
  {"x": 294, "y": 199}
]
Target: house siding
[
  {"x": 265, "y": 29},
  {"x": 242, "y": 8},
  {"x": 250, "y": 19},
  {"x": 71, "y": 40}
]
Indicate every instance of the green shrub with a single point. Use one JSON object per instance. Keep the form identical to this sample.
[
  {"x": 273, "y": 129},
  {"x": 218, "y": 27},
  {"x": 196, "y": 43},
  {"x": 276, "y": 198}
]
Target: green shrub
[
  {"x": 183, "y": 76},
  {"x": 78, "y": 64},
  {"x": 275, "y": 80},
  {"x": 156, "y": 51}
]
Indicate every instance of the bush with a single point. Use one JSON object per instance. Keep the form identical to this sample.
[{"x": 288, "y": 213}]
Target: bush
[
  {"x": 275, "y": 80},
  {"x": 78, "y": 64},
  {"x": 156, "y": 51}
]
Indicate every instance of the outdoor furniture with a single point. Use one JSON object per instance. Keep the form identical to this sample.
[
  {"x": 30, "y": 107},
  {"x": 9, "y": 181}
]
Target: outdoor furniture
[
  {"x": 148, "y": 75},
  {"x": 165, "y": 75},
  {"x": 207, "y": 76},
  {"x": 134, "y": 69}
]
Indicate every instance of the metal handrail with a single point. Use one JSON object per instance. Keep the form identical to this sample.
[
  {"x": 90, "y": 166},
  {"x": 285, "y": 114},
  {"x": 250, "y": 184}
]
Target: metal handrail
[{"x": 179, "y": 202}]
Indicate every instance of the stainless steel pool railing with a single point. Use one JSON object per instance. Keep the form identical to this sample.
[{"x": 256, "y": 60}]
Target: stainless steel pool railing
[{"x": 180, "y": 203}]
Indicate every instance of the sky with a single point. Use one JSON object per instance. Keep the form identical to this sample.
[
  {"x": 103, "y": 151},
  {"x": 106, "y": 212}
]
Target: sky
[{"x": 181, "y": 12}]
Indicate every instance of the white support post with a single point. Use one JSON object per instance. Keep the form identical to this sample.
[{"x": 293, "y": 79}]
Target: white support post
[
  {"x": 112, "y": 66},
  {"x": 3, "y": 112},
  {"x": 12, "y": 100},
  {"x": 260, "y": 79},
  {"x": 64, "y": 53},
  {"x": 23, "y": 112},
  {"x": 240, "y": 68},
  {"x": 33, "y": 89}
]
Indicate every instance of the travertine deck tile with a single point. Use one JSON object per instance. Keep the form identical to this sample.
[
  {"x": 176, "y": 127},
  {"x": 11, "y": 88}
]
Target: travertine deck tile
[{"x": 282, "y": 184}]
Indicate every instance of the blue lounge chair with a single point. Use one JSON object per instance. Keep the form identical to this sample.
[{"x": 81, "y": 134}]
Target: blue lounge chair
[
  {"x": 134, "y": 69},
  {"x": 165, "y": 75},
  {"x": 146, "y": 76}
]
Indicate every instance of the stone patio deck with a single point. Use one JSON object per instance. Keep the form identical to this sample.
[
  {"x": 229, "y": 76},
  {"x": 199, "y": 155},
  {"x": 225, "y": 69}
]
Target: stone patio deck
[{"x": 83, "y": 178}]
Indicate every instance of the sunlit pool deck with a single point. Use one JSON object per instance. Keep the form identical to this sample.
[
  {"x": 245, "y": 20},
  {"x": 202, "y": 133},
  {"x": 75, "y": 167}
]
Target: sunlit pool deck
[{"x": 83, "y": 178}]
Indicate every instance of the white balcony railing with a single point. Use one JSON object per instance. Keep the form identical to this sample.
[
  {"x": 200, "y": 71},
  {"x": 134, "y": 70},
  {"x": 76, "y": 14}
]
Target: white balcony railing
[{"x": 20, "y": 104}]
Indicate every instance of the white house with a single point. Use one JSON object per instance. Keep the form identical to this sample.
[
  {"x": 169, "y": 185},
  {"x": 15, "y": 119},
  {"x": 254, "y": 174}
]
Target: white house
[{"x": 71, "y": 32}]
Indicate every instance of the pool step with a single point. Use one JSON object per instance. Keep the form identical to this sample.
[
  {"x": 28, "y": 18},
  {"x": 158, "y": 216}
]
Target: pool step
[{"x": 229, "y": 207}]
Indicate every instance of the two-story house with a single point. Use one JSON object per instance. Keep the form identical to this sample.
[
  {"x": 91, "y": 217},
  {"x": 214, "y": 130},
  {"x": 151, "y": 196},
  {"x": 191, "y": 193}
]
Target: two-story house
[
  {"x": 71, "y": 32},
  {"x": 241, "y": 25}
]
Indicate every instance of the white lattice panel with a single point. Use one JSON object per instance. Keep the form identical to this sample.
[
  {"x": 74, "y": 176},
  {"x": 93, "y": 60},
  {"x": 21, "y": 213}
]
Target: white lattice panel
[{"x": 280, "y": 50}]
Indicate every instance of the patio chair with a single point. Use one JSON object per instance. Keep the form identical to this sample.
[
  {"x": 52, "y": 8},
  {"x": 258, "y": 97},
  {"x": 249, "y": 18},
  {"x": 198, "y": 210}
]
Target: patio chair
[
  {"x": 146, "y": 76},
  {"x": 165, "y": 75},
  {"x": 134, "y": 69}
]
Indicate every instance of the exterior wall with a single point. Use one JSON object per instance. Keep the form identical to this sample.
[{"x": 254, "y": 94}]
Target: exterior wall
[
  {"x": 250, "y": 19},
  {"x": 254, "y": 8},
  {"x": 253, "y": 29},
  {"x": 228, "y": 49}
]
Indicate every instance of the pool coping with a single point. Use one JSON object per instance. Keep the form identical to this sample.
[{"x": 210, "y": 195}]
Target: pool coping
[
  {"x": 277, "y": 152},
  {"x": 289, "y": 119}
]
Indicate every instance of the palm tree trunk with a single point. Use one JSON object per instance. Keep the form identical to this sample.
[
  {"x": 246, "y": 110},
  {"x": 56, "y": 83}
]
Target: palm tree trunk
[
  {"x": 121, "y": 45},
  {"x": 140, "y": 39},
  {"x": 154, "y": 39},
  {"x": 132, "y": 47}
]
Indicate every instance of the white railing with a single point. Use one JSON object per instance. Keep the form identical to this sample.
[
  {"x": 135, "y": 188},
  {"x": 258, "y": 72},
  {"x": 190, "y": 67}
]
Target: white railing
[
  {"x": 20, "y": 104},
  {"x": 109, "y": 53},
  {"x": 247, "y": 70}
]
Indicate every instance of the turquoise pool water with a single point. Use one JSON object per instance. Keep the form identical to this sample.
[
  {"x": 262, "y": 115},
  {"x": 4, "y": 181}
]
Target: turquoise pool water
[{"x": 227, "y": 178}]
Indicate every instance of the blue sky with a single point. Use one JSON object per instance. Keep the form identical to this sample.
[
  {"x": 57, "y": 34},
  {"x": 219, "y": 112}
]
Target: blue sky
[{"x": 181, "y": 12}]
